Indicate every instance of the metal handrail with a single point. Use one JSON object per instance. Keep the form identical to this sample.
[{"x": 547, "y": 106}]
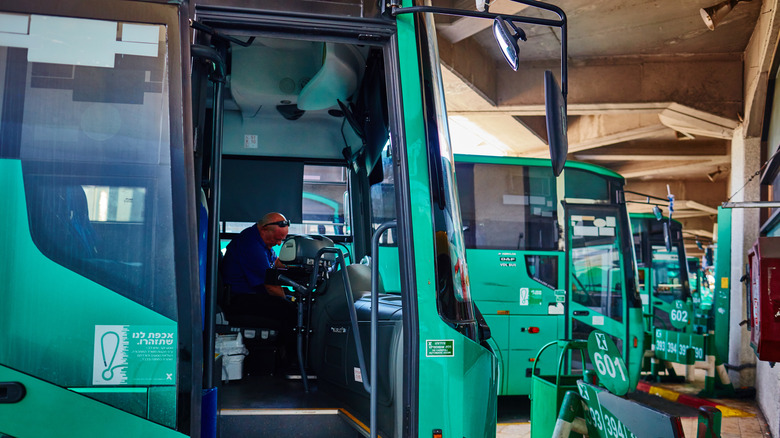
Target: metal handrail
[
  {"x": 374, "y": 316},
  {"x": 368, "y": 378},
  {"x": 307, "y": 291}
]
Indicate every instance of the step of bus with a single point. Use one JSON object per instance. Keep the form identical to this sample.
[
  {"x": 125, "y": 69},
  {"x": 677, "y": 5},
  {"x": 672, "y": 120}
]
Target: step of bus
[{"x": 308, "y": 423}]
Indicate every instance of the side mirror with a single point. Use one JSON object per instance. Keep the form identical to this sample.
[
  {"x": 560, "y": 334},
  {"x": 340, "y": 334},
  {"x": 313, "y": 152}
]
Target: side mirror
[
  {"x": 507, "y": 40},
  {"x": 507, "y": 35},
  {"x": 667, "y": 237},
  {"x": 657, "y": 212},
  {"x": 555, "y": 115}
]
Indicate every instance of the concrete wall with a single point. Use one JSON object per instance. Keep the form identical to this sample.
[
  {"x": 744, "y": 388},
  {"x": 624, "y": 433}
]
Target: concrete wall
[
  {"x": 745, "y": 156},
  {"x": 768, "y": 394},
  {"x": 745, "y": 160}
]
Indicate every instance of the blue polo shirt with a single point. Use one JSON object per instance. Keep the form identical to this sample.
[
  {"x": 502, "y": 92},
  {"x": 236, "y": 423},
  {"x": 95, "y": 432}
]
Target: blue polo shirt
[{"x": 246, "y": 259}]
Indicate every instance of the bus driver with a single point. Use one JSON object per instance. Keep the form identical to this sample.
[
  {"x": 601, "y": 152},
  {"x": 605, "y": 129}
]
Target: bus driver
[{"x": 247, "y": 258}]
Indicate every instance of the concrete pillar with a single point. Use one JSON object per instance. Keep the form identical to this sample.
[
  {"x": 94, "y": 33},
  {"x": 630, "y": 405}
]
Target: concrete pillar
[
  {"x": 745, "y": 161},
  {"x": 768, "y": 394}
]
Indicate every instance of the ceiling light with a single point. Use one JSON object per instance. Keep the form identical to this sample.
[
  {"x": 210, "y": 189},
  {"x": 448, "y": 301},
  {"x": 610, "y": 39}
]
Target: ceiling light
[
  {"x": 711, "y": 176},
  {"x": 715, "y": 14}
]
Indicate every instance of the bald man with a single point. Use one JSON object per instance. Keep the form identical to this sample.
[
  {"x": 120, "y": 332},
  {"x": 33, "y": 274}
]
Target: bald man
[
  {"x": 247, "y": 258},
  {"x": 251, "y": 254}
]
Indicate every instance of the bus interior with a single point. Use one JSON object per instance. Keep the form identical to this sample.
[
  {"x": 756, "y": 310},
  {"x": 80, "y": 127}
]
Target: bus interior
[{"x": 305, "y": 131}]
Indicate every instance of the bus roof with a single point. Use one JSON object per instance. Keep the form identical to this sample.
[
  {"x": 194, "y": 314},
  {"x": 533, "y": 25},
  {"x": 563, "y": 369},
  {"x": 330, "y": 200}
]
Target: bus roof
[
  {"x": 650, "y": 216},
  {"x": 524, "y": 161}
]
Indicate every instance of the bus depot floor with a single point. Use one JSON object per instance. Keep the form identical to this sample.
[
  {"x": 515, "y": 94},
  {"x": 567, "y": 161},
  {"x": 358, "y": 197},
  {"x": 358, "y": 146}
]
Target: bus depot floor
[{"x": 742, "y": 419}]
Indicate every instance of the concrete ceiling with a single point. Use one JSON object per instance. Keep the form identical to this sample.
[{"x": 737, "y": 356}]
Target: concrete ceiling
[{"x": 653, "y": 93}]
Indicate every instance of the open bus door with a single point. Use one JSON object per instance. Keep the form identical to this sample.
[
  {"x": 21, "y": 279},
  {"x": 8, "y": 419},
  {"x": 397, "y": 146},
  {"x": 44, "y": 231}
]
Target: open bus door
[
  {"x": 602, "y": 293},
  {"x": 100, "y": 321},
  {"x": 96, "y": 332}
]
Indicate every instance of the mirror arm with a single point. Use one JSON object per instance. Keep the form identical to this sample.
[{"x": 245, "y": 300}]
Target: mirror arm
[
  {"x": 561, "y": 23},
  {"x": 564, "y": 37}
]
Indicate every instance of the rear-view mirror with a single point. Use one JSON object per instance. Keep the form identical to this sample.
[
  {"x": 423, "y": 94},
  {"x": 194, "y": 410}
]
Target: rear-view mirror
[
  {"x": 667, "y": 237},
  {"x": 507, "y": 34},
  {"x": 555, "y": 114},
  {"x": 507, "y": 41},
  {"x": 657, "y": 212}
]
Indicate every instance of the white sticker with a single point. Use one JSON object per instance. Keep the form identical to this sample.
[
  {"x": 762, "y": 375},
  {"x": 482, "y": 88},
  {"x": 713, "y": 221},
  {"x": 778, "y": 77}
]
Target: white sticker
[
  {"x": 515, "y": 200},
  {"x": 611, "y": 222},
  {"x": 76, "y": 41},
  {"x": 523, "y": 296},
  {"x": 140, "y": 33},
  {"x": 597, "y": 320},
  {"x": 581, "y": 230},
  {"x": 250, "y": 142},
  {"x": 606, "y": 231},
  {"x": 555, "y": 309},
  {"x": 645, "y": 299},
  {"x": 358, "y": 375},
  {"x": 110, "y": 355}
]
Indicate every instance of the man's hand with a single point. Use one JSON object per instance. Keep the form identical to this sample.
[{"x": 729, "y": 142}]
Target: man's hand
[{"x": 275, "y": 290}]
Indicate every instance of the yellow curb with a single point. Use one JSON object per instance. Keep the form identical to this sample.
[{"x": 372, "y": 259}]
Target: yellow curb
[
  {"x": 665, "y": 393},
  {"x": 674, "y": 395},
  {"x": 732, "y": 412}
]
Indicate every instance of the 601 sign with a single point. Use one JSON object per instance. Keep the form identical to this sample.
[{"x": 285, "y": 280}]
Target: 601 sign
[{"x": 610, "y": 367}]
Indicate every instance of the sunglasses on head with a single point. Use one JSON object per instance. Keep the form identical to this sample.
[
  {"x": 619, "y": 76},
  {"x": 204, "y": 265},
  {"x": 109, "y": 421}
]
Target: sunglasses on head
[{"x": 282, "y": 224}]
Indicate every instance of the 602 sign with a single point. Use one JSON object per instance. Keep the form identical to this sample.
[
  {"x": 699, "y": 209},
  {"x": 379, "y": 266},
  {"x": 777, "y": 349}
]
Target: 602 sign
[{"x": 680, "y": 314}]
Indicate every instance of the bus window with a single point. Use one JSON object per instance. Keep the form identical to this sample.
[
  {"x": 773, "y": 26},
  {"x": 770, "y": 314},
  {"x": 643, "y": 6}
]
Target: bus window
[
  {"x": 383, "y": 210},
  {"x": 115, "y": 204},
  {"x": 383, "y": 197},
  {"x": 313, "y": 198},
  {"x": 596, "y": 271},
  {"x": 102, "y": 219},
  {"x": 86, "y": 131},
  {"x": 543, "y": 268},
  {"x": 516, "y": 207},
  {"x": 666, "y": 274},
  {"x": 586, "y": 185},
  {"x": 452, "y": 280},
  {"x": 324, "y": 210}
]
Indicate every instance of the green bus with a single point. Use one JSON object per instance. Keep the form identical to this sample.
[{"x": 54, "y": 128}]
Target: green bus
[
  {"x": 549, "y": 258},
  {"x": 136, "y": 136},
  {"x": 700, "y": 281},
  {"x": 663, "y": 267}
]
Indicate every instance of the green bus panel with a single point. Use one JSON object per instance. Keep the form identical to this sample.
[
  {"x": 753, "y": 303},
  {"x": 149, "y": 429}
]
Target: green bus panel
[
  {"x": 500, "y": 282},
  {"x": 48, "y": 410},
  {"x": 499, "y": 336},
  {"x": 524, "y": 344},
  {"x": 722, "y": 301},
  {"x": 466, "y": 380}
]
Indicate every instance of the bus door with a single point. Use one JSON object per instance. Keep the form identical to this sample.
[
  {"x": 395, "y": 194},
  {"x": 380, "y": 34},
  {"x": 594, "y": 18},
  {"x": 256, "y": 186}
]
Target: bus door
[
  {"x": 670, "y": 284},
  {"x": 92, "y": 339},
  {"x": 597, "y": 264}
]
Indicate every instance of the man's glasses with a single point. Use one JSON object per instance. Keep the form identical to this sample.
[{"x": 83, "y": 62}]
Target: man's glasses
[{"x": 281, "y": 224}]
